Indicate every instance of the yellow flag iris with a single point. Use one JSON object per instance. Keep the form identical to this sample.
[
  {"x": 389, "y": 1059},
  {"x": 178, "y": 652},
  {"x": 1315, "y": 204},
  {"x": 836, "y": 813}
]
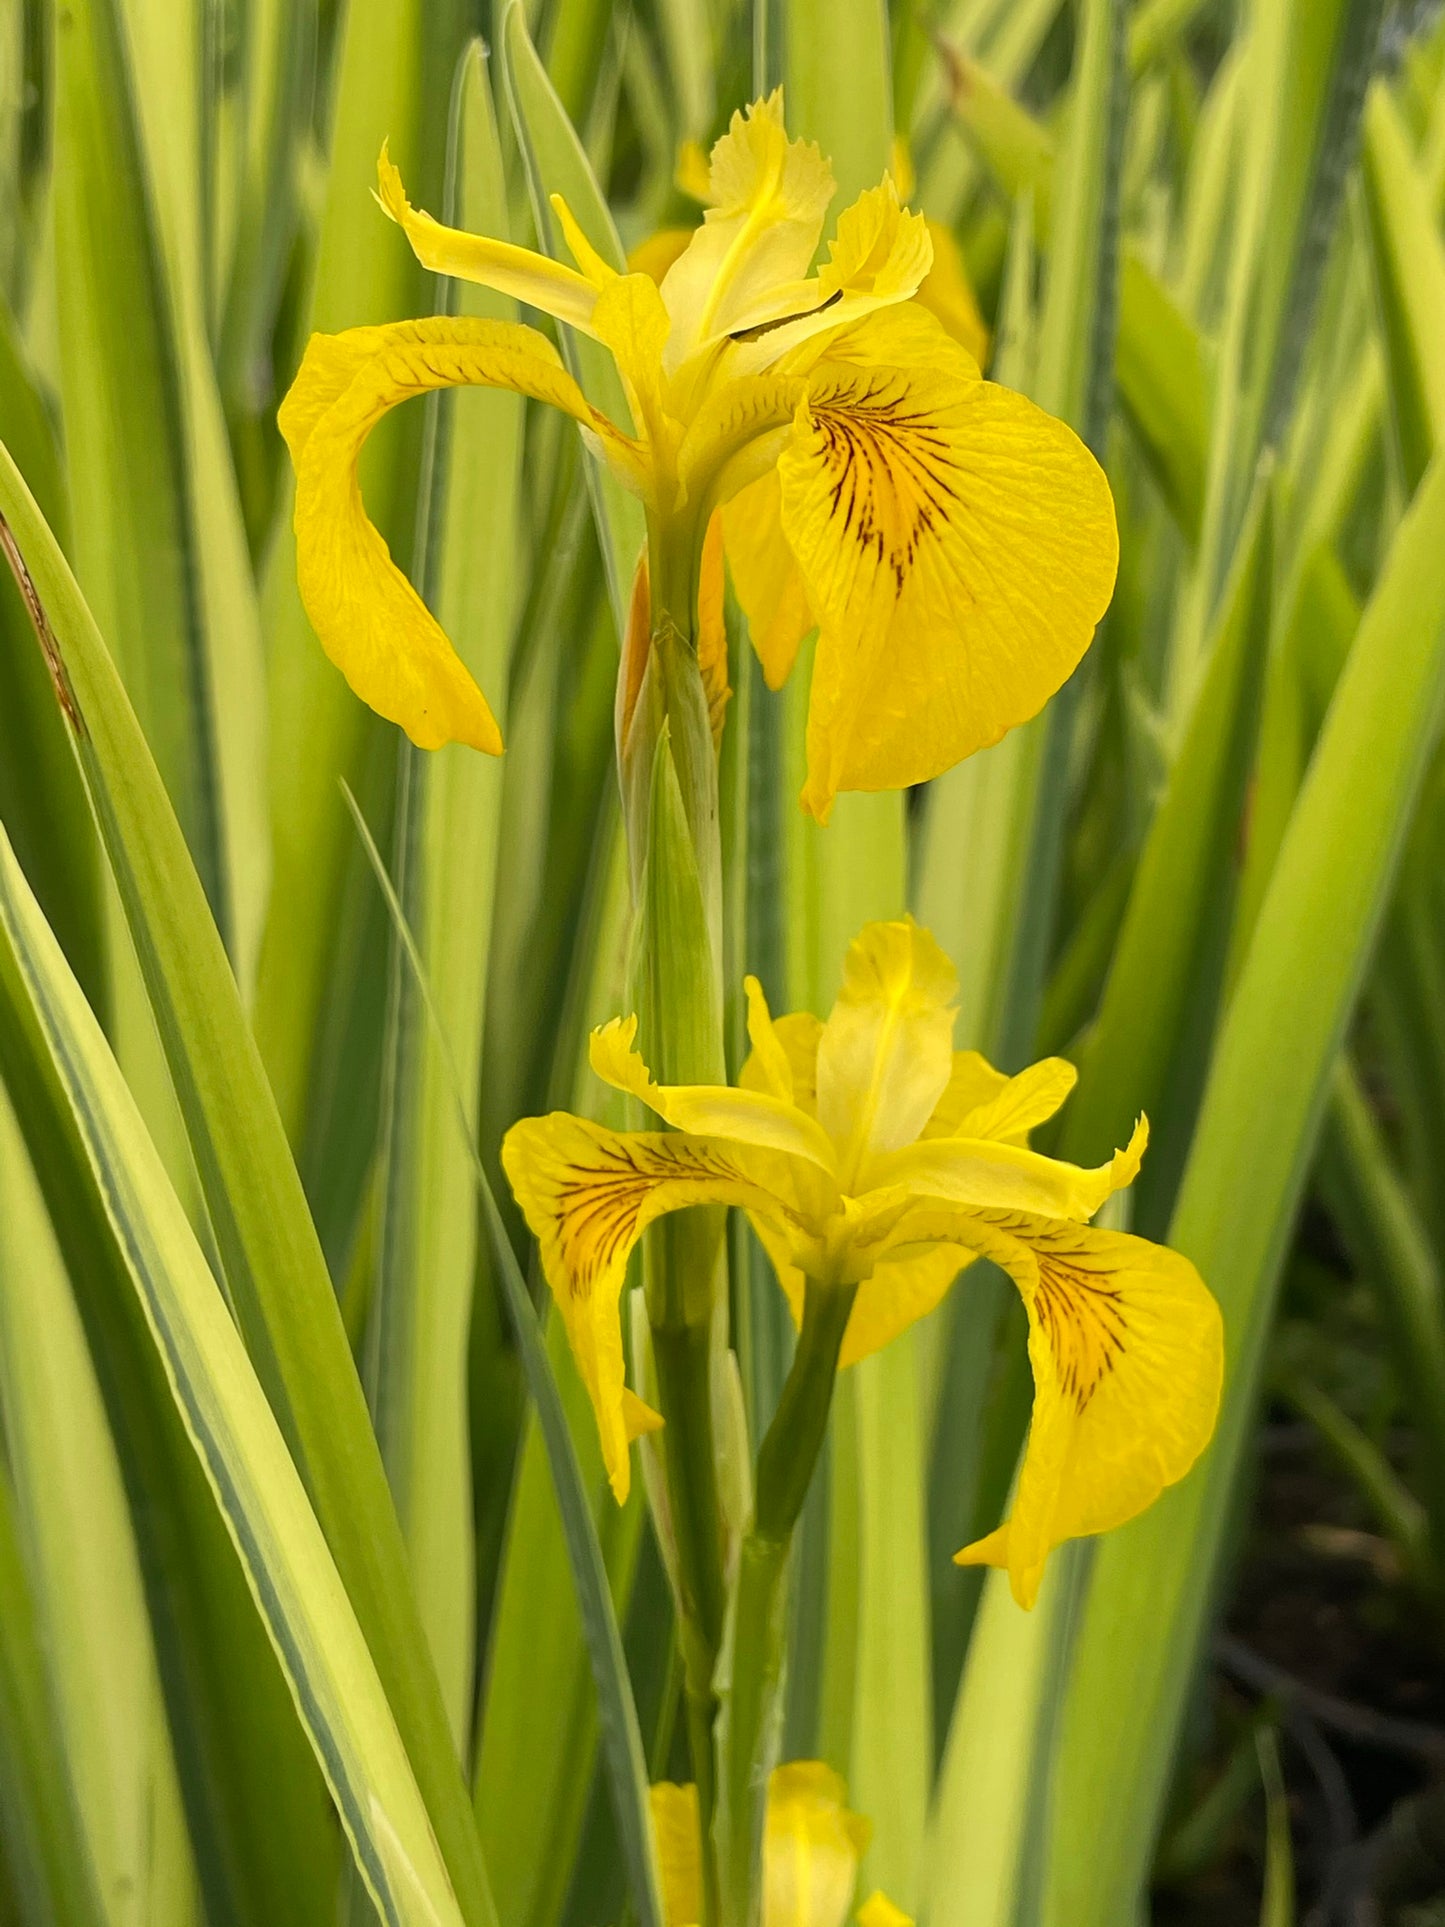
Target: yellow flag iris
[
  {"x": 812, "y": 1848},
  {"x": 866, "y": 1150},
  {"x": 953, "y": 545}
]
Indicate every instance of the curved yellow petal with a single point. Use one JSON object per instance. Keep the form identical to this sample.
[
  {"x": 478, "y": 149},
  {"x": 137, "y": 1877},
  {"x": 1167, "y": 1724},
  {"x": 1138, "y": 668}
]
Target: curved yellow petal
[
  {"x": 1127, "y": 1350},
  {"x": 589, "y": 262},
  {"x": 692, "y": 175},
  {"x": 878, "y": 258},
  {"x": 878, "y": 1911},
  {"x": 983, "y": 1102},
  {"x": 945, "y": 291},
  {"x": 993, "y": 1174},
  {"x": 713, "y": 1110},
  {"x": 898, "y": 1292},
  {"x": 812, "y": 1846},
  {"x": 797, "y": 1035},
  {"x": 675, "y": 1825},
  {"x": 371, "y": 622},
  {"x": 746, "y": 264},
  {"x": 766, "y": 577},
  {"x": 957, "y": 544},
  {"x": 631, "y": 321},
  {"x": 654, "y": 255},
  {"x": 973, "y": 1082},
  {"x": 538, "y": 280},
  {"x": 886, "y": 1051},
  {"x": 588, "y": 1195},
  {"x": 768, "y": 1067}
]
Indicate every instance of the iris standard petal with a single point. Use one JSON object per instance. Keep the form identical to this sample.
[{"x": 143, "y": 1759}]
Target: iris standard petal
[
  {"x": 1127, "y": 1350},
  {"x": 755, "y": 1118},
  {"x": 537, "y": 279},
  {"x": 746, "y": 263},
  {"x": 957, "y": 546},
  {"x": 798, "y": 1035},
  {"x": 588, "y": 1195},
  {"x": 886, "y": 1051},
  {"x": 371, "y": 622},
  {"x": 878, "y": 258},
  {"x": 946, "y": 292}
]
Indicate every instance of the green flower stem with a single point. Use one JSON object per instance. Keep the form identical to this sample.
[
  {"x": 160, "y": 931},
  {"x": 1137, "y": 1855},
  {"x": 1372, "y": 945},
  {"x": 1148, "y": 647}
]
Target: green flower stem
[
  {"x": 668, "y": 768},
  {"x": 787, "y": 1459},
  {"x": 682, "y": 1357}
]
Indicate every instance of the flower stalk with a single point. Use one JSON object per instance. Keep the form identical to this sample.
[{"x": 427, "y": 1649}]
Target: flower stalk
[{"x": 748, "y": 1731}]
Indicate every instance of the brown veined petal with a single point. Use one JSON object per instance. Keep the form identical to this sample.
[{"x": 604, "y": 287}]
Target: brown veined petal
[
  {"x": 1127, "y": 1350},
  {"x": 766, "y": 576},
  {"x": 536, "y": 279},
  {"x": 588, "y": 1195},
  {"x": 958, "y": 547},
  {"x": 371, "y": 622}
]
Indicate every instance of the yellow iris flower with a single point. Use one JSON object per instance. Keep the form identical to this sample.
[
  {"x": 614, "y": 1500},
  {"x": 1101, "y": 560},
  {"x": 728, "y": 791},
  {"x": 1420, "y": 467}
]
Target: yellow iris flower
[
  {"x": 812, "y": 1847},
  {"x": 867, "y": 1151},
  {"x": 953, "y": 544}
]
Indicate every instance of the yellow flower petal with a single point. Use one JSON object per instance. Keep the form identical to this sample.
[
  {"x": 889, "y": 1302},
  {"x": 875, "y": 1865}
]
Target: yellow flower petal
[
  {"x": 1028, "y": 1099},
  {"x": 631, "y": 320},
  {"x": 878, "y": 1911},
  {"x": 982, "y": 1102},
  {"x": 766, "y": 576},
  {"x": 946, "y": 293},
  {"x": 538, "y": 280},
  {"x": 972, "y": 1084},
  {"x": 896, "y": 1295},
  {"x": 812, "y": 1845},
  {"x": 768, "y": 1067},
  {"x": 693, "y": 175},
  {"x": 655, "y": 255},
  {"x": 1127, "y": 1351},
  {"x": 993, "y": 1174},
  {"x": 716, "y": 1110},
  {"x": 589, "y": 262},
  {"x": 679, "y": 1855},
  {"x": 886, "y": 1051},
  {"x": 371, "y": 622},
  {"x": 746, "y": 264},
  {"x": 958, "y": 547},
  {"x": 588, "y": 1195},
  {"x": 878, "y": 258},
  {"x": 797, "y": 1036}
]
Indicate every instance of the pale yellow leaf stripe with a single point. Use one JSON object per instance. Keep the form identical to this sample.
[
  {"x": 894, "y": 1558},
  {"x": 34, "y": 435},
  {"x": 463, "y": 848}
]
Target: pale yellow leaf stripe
[{"x": 298, "y": 1592}]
